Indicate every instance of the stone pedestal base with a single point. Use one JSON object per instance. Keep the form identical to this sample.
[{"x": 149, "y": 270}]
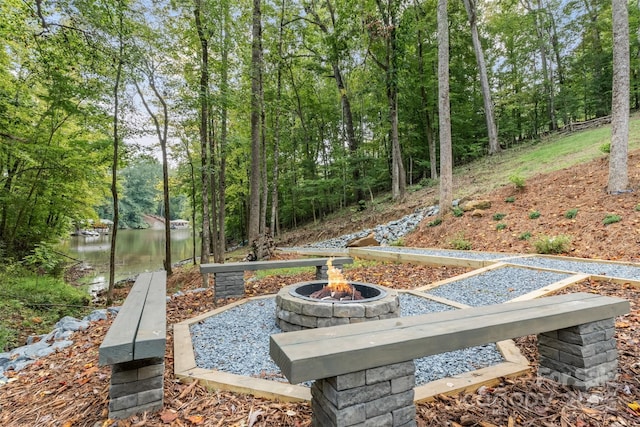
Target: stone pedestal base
[
  {"x": 582, "y": 356},
  {"x": 381, "y": 396},
  {"x": 229, "y": 284},
  {"x": 136, "y": 387}
]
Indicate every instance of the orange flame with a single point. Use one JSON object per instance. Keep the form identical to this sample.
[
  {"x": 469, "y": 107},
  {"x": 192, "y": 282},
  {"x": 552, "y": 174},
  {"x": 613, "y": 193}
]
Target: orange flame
[{"x": 337, "y": 282}]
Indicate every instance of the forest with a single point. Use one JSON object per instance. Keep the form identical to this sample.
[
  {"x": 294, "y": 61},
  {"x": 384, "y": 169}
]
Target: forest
[{"x": 266, "y": 115}]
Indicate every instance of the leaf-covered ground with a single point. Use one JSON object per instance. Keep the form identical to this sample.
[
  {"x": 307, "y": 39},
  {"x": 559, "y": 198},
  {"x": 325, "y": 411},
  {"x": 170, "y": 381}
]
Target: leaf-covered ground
[{"x": 69, "y": 389}]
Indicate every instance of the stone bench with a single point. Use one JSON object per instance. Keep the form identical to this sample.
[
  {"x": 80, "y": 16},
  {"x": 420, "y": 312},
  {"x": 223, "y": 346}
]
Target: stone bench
[
  {"x": 135, "y": 346},
  {"x": 229, "y": 277},
  {"x": 364, "y": 373}
]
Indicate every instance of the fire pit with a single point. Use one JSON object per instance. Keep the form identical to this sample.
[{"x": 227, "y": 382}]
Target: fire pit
[{"x": 333, "y": 302}]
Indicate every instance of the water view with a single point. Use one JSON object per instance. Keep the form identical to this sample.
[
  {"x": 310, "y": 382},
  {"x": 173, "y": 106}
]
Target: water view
[{"x": 137, "y": 251}]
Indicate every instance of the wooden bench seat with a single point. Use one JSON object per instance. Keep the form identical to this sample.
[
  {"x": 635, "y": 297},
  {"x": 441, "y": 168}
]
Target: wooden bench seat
[
  {"x": 229, "y": 277},
  {"x": 135, "y": 346},
  {"x": 575, "y": 336}
]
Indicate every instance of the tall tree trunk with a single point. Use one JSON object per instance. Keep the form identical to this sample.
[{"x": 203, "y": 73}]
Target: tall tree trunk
[
  {"x": 276, "y": 136},
  {"x": 256, "y": 109},
  {"x": 204, "y": 133},
  {"x": 444, "y": 114},
  {"x": 494, "y": 146},
  {"x": 618, "y": 174},
  {"x": 162, "y": 132},
  {"x": 220, "y": 248},
  {"x": 116, "y": 156}
]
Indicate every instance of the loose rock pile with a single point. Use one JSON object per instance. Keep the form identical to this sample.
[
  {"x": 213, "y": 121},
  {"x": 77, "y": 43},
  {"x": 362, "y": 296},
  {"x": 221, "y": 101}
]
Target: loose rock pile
[{"x": 43, "y": 345}]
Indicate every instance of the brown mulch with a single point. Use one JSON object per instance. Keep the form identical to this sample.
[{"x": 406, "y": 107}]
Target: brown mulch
[{"x": 68, "y": 388}]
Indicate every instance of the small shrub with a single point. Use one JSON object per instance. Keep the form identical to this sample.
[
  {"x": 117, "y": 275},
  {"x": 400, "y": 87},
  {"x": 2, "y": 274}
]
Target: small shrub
[
  {"x": 606, "y": 148},
  {"x": 460, "y": 243},
  {"x": 510, "y": 199},
  {"x": 534, "y": 215},
  {"x": 611, "y": 218},
  {"x": 552, "y": 244},
  {"x": 638, "y": 207},
  {"x": 435, "y": 222},
  {"x": 501, "y": 226},
  {"x": 457, "y": 212},
  {"x": 426, "y": 182},
  {"x": 524, "y": 236},
  {"x": 399, "y": 242},
  {"x": 518, "y": 181},
  {"x": 571, "y": 213},
  {"x": 498, "y": 216}
]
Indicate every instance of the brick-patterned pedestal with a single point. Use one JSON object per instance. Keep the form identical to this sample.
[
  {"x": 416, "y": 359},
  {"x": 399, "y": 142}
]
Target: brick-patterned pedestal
[
  {"x": 230, "y": 284},
  {"x": 136, "y": 387},
  {"x": 582, "y": 356},
  {"x": 381, "y": 396}
]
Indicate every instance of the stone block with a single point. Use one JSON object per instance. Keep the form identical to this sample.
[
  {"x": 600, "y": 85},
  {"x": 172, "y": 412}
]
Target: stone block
[
  {"x": 389, "y": 403},
  {"x": 348, "y": 310},
  {"x": 304, "y": 321},
  {"x": 353, "y": 396},
  {"x": 318, "y": 310},
  {"x": 582, "y": 339},
  {"x": 404, "y": 415},
  {"x": 127, "y": 412},
  {"x": 401, "y": 384},
  {"x": 119, "y": 390},
  {"x": 381, "y": 420},
  {"x": 287, "y": 327},
  {"x": 151, "y": 371},
  {"x": 548, "y": 352},
  {"x": 587, "y": 328},
  {"x": 351, "y": 380},
  {"x": 388, "y": 372},
  {"x": 341, "y": 417},
  {"x": 587, "y": 350},
  {"x": 290, "y": 304},
  {"x": 587, "y": 362},
  {"x": 565, "y": 379},
  {"x": 324, "y": 322},
  {"x": 603, "y": 370}
]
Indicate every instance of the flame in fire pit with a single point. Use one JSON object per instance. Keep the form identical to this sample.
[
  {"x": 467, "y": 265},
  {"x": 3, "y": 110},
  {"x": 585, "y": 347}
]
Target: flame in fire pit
[
  {"x": 337, "y": 282},
  {"x": 337, "y": 288}
]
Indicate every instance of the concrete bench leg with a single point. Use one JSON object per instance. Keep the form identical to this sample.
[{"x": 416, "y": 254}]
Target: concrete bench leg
[
  {"x": 229, "y": 284},
  {"x": 136, "y": 387},
  {"x": 381, "y": 396},
  {"x": 582, "y": 356},
  {"x": 321, "y": 271}
]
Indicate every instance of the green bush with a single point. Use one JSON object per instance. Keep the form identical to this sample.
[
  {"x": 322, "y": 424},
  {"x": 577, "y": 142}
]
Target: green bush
[
  {"x": 518, "y": 181},
  {"x": 552, "y": 244},
  {"x": 534, "y": 215},
  {"x": 435, "y": 222},
  {"x": 571, "y": 213},
  {"x": 457, "y": 212},
  {"x": 498, "y": 216},
  {"x": 611, "y": 218},
  {"x": 399, "y": 242},
  {"x": 638, "y": 207},
  {"x": 45, "y": 260},
  {"x": 606, "y": 148},
  {"x": 524, "y": 236},
  {"x": 510, "y": 199},
  {"x": 501, "y": 226},
  {"x": 460, "y": 243}
]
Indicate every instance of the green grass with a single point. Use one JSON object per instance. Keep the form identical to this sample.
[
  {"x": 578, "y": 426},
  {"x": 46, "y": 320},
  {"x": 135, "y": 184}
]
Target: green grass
[
  {"x": 571, "y": 213},
  {"x": 531, "y": 158},
  {"x": 34, "y": 304},
  {"x": 498, "y": 216},
  {"x": 534, "y": 215},
  {"x": 611, "y": 219}
]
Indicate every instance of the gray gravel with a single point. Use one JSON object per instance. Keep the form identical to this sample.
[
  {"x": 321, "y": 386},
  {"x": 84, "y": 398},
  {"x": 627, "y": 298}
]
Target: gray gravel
[
  {"x": 497, "y": 286},
  {"x": 588, "y": 267},
  {"x": 481, "y": 256},
  {"x": 237, "y": 341}
]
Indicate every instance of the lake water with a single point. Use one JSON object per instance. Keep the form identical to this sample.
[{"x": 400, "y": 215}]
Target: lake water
[{"x": 137, "y": 251}]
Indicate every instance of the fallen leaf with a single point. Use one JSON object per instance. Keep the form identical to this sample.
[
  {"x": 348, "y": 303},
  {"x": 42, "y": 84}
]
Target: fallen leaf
[
  {"x": 635, "y": 407},
  {"x": 196, "y": 419},
  {"x": 168, "y": 416}
]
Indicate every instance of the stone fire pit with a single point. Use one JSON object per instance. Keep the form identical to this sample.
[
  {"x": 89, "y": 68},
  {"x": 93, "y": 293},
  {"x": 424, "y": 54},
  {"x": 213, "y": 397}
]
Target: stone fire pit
[{"x": 296, "y": 310}]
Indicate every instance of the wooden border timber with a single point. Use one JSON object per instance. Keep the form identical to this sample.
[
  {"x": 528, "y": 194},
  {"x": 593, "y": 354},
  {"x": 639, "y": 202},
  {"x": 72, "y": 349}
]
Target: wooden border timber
[
  {"x": 185, "y": 367},
  {"x": 421, "y": 259}
]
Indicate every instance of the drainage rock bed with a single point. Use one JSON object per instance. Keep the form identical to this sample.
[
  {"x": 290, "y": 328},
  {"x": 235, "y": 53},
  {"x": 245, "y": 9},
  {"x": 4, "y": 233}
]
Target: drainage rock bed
[
  {"x": 497, "y": 286},
  {"x": 237, "y": 341}
]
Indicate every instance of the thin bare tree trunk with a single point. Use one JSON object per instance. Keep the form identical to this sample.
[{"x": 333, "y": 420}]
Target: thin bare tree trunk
[
  {"x": 204, "y": 133},
  {"x": 494, "y": 146},
  {"x": 618, "y": 173},
  {"x": 256, "y": 82},
  {"x": 444, "y": 114}
]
